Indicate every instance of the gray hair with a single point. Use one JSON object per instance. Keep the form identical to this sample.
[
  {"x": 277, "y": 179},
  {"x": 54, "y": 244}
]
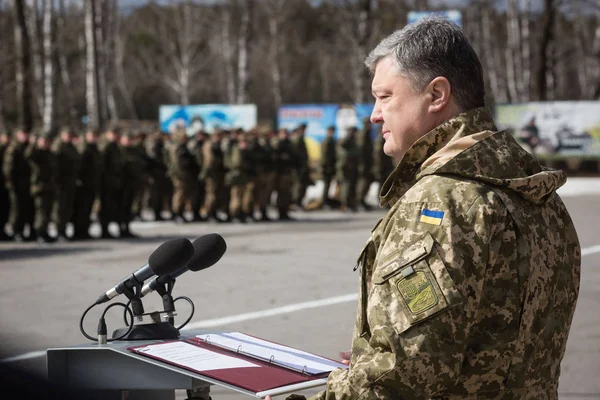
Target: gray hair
[{"x": 432, "y": 47}]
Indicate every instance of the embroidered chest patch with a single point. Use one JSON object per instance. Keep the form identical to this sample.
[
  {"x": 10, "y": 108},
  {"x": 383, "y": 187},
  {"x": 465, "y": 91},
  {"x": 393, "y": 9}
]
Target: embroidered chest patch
[
  {"x": 418, "y": 293},
  {"x": 432, "y": 217}
]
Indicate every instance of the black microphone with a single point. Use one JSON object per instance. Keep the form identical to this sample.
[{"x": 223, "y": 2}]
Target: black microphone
[
  {"x": 208, "y": 249},
  {"x": 170, "y": 256}
]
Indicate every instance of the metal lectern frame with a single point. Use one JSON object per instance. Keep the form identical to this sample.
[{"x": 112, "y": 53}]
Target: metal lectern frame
[{"x": 114, "y": 370}]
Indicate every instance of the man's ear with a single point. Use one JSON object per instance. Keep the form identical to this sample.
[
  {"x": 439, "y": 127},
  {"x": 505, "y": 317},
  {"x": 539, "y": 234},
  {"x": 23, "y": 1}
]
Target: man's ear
[{"x": 440, "y": 91}]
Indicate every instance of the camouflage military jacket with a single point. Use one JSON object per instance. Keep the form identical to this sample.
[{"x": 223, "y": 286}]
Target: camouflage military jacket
[{"x": 469, "y": 283}]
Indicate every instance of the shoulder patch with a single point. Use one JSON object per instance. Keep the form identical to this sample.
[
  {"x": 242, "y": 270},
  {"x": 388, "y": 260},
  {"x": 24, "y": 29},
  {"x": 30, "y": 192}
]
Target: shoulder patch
[{"x": 432, "y": 217}]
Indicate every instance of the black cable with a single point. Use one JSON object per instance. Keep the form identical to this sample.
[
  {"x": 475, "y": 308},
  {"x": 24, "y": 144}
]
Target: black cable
[
  {"x": 191, "y": 314},
  {"x": 130, "y": 326},
  {"x": 102, "y": 324}
]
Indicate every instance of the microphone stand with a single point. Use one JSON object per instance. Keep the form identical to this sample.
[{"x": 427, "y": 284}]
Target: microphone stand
[{"x": 151, "y": 331}]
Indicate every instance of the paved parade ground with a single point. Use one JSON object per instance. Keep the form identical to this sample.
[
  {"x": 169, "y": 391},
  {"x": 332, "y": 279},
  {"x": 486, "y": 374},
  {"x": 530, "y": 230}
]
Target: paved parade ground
[{"x": 291, "y": 283}]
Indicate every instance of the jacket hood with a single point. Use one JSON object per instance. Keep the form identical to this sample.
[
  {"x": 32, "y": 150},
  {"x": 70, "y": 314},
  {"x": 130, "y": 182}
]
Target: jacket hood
[{"x": 470, "y": 146}]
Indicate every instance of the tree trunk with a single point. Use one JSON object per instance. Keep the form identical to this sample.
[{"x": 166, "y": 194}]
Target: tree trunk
[
  {"x": 101, "y": 60},
  {"x": 490, "y": 57},
  {"x": 526, "y": 52},
  {"x": 48, "y": 114},
  {"x": 23, "y": 67},
  {"x": 64, "y": 66},
  {"x": 228, "y": 55},
  {"x": 275, "y": 11},
  {"x": 512, "y": 50},
  {"x": 545, "y": 42},
  {"x": 596, "y": 90},
  {"x": 33, "y": 22},
  {"x": 244, "y": 52},
  {"x": 91, "y": 72},
  {"x": 120, "y": 71},
  {"x": 110, "y": 33},
  {"x": 363, "y": 34}
]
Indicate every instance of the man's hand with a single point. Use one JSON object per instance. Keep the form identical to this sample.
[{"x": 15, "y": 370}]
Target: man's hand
[{"x": 345, "y": 356}]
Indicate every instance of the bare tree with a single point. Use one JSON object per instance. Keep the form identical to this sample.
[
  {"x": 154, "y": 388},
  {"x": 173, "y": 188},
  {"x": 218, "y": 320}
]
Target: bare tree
[
  {"x": 123, "y": 86},
  {"x": 228, "y": 53},
  {"x": 525, "y": 89},
  {"x": 23, "y": 69},
  {"x": 276, "y": 14},
  {"x": 32, "y": 17},
  {"x": 244, "y": 51},
  {"x": 544, "y": 68},
  {"x": 62, "y": 62},
  {"x": 491, "y": 56},
  {"x": 91, "y": 73},
  {"x": 513, "y": 56},
  {"x": 48, "y": 113}
]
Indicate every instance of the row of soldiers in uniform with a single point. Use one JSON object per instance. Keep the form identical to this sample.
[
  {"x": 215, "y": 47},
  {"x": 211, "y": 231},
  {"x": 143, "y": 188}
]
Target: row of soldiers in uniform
[
  {"x": 354, "y": 162},
  {"x": 231, "y": 172}
]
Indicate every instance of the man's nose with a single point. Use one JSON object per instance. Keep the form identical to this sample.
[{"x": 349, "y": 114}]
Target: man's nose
[{"x": 376, "y": 117}]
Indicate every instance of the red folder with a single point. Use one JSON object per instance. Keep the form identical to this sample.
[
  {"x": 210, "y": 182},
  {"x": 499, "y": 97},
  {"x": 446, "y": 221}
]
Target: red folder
[{"x": 255, "y": 379}]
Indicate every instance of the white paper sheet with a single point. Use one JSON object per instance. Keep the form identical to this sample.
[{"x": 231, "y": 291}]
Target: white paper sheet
[
  {"x": 194, "y": 357},
  {"x": 278, "y": 354}
]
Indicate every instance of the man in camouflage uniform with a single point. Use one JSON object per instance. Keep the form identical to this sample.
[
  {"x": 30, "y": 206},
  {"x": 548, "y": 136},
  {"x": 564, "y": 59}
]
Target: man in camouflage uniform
[
  {"x": 328, "y": 163},
  {"x": 183, "y": 171},
  {"x": 112, "y": 181},
  {"x": 67, "y": 161},
  {"x": 238, "y": 176},
  {"x": 365, "y": 165},
  {"x": 43, "y": 163},
  {"x": 264, "y": 156},
  {"x": 302, "y": 178},
  {"x": 155, "y": 149},
  {"x": 467, "y": 287},
  {"x": 134, "y": 172},
  {"x": 348, "y": 159},
  {"x": 213, "y": 174},
  {"x": 17, "y": 175},
  {"x": 383, "y": 165},
  {"x": 89, "y": 183},
  {"x": 285, "y": 164},
  {"x": 4, "y": 198},
  {"x": 195, "y": 146}
]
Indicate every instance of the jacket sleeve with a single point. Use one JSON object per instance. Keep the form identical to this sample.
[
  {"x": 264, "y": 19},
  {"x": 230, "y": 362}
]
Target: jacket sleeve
[{"x": 418, "y": 334}]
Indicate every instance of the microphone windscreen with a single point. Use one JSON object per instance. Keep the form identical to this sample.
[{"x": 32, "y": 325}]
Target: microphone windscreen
[
  {"x": 171, "y": 256},
  {"x": 208, "y": 249}
]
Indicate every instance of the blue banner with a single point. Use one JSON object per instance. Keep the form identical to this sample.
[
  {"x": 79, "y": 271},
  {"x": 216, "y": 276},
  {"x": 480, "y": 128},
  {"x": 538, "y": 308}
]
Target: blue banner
[{"x": 207, "y": 117}]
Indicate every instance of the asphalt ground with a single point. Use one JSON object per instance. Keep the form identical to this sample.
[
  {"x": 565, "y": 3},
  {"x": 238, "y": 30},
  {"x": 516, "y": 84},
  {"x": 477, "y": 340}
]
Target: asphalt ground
[{"x": 291, "y": 283}]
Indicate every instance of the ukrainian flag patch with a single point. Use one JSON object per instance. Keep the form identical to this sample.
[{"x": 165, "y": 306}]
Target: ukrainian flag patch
[{"x": 432, "y": 217}]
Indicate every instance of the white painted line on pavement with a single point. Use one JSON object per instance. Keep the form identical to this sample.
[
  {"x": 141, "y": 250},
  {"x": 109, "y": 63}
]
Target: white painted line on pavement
[
  {"x": 261, "y": 314},
  {"x": 590, "y": 250},
  {"x": 25, "y": 356},
  {"x": 273, "y": 311}
]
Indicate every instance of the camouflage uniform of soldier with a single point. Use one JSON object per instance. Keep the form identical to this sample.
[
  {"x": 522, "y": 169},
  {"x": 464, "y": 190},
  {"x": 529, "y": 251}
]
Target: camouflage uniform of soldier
[
  {"x": 17, "y": 175},
  {"x": 195, "y": 147},
  {"x": 134, "y": 173},
  {"x": 302, "y": 177},
  {"x": 143, "y": 173},
  {"x": 285, "y": 165},
  {"x": 43, "y": 164},
  {"x": 328, "y": 163},
  {"x": 67, "y": 161},
  {"x": 264, "y": 155},
  {"x": 4, "y": 197},
  {"x": 160, "y": 183},
  {"x": 213, "y": 174},
  {"x": 467, "y": 288},
  {"x": 365, "y": 165},
  {"x": 112, "y": 181},
  {"x": 89, "y": 184},
  {"x": 383, "y": 165},
  {"x": 348, "y": 156},
  {"x": 238, "y": 176},
  {"x": 183, "y": 171},
  {"x": 254, "y": 169}
]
